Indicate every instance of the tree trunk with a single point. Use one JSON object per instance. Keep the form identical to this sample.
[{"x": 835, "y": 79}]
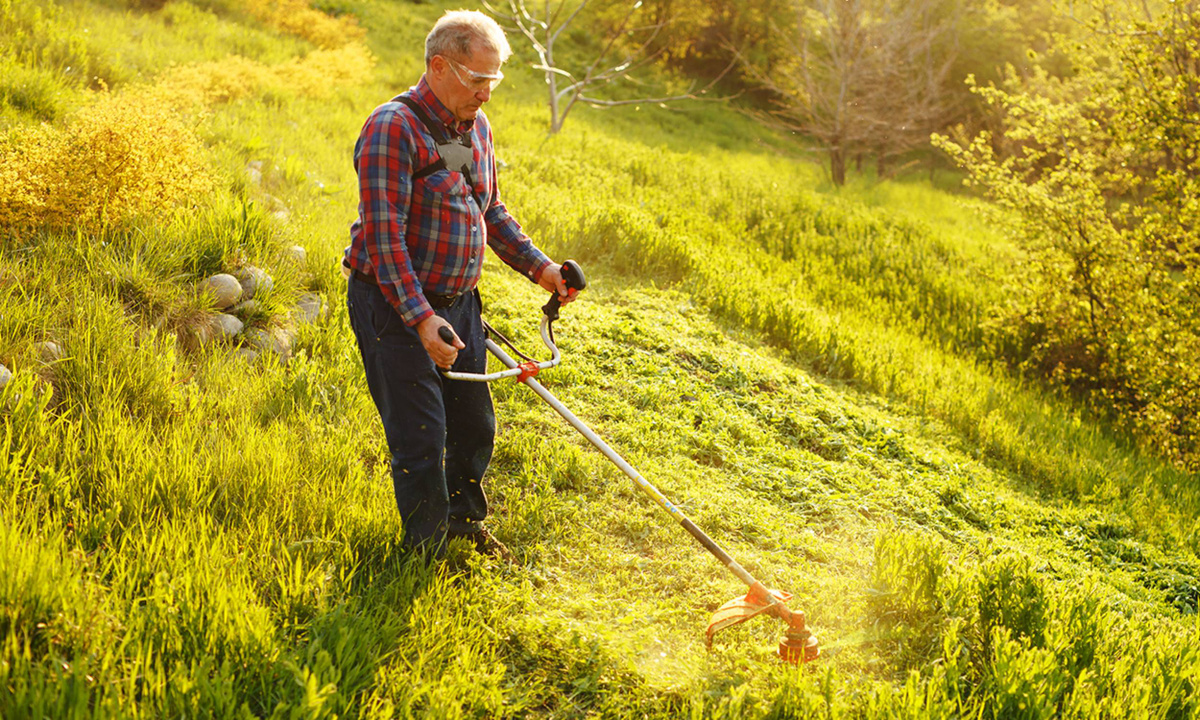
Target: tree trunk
[{"x": 837, "y": 165}]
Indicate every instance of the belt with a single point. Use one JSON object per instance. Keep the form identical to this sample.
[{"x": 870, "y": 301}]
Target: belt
[
  {"x": 437, "y": 302},
  {"x": 441, "y": 302}
]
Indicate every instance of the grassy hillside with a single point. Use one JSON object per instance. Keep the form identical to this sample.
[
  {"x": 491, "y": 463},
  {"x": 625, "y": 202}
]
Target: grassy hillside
[{"x": 191, "y": 528}]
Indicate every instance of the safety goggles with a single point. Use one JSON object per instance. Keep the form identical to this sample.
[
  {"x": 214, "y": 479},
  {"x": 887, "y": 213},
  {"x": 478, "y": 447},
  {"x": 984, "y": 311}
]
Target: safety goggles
[{"x": 474, "y": 81}]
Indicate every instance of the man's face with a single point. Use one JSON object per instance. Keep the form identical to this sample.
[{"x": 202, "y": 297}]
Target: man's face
[{"x": 462, "y": 84}]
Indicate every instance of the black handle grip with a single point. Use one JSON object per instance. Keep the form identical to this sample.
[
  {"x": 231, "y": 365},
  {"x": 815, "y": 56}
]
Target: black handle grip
[
  {"x": 573, "y": 278},
  {"x": 446, "y": 334},
  {"x": 572, "y": 275}
]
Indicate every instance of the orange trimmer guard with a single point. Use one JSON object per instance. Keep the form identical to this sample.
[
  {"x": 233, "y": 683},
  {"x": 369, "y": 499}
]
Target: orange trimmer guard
[
  {"x": 739, "y": 610},
  {"x": 799, "y": 645}
]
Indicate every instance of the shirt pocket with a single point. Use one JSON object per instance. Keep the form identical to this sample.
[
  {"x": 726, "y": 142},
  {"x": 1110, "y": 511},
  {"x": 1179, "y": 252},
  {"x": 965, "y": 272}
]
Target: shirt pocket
[
  {"x": 446, "y": 183},
  {"x": 448, "y": 212}
]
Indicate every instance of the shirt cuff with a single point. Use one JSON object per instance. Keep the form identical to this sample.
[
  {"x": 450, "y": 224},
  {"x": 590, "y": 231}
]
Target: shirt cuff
[
  {"x": 536, "y": 274},
  {"x": 414, "y": 310}
]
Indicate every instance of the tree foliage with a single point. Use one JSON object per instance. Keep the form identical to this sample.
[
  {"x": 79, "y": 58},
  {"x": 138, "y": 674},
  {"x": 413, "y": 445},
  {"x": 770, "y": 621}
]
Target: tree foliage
[{"x": 1103, "y": 168}]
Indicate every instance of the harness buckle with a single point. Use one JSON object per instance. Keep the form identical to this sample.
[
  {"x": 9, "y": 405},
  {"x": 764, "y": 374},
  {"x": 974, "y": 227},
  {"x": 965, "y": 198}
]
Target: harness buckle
[{"x": 528, "y": 370}]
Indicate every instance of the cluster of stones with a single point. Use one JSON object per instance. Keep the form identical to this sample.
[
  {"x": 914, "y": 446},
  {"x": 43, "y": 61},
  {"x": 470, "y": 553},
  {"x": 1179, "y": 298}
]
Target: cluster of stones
[{"x": 235, "y": 295}]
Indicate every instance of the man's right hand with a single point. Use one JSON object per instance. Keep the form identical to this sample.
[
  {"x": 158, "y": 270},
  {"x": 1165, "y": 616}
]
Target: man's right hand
[{"x": 443, "y": 355}]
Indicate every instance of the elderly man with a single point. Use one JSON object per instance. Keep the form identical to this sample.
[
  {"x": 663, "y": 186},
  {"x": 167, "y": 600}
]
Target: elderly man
[{"x": 428, "y": 202}]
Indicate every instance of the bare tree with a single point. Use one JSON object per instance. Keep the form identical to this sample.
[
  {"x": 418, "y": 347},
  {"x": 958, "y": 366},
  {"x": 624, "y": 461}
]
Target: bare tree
[
  {"x": 626, "y": 40},
  {"x": 867, "y": 76},
  {"x": 908, "y": 92}
]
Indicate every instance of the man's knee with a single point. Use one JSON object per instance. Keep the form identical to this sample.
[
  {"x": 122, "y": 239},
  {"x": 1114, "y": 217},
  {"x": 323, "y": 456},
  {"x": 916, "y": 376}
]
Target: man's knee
[{"x": 417, "y": 455}]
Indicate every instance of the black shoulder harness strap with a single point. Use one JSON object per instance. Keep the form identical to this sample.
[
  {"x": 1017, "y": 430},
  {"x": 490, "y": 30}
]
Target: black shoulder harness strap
[{"x": 454, "y": 154}]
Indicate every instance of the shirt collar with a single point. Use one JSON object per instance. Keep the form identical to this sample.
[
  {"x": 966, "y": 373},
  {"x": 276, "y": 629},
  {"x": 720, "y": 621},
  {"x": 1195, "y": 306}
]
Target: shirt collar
[{"x": 423, "y": 94}]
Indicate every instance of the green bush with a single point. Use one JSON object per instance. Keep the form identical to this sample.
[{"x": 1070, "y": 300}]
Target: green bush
[
  {"x": 1012, "y": 598},
  {"x": 907, "y": 575}
]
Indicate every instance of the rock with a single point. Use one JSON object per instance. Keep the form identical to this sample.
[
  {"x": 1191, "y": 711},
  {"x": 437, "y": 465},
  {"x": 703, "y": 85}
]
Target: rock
[
  {"x": 281, "y": 215},
  {"x": 276, "y": 340},
  {"x": 257, "y": 339},
  {"x": 254, "y": 280},
  {"x": 309, "y": 307},
  {"x": 225, "y": 289},
  {"x": 225, "y": 326},
  {"x": 254, "y": 172},
  {"x": 247, "y": 354},
  {"x": 5, "y": 376},
  {"x": 298, "y": 254},
  {"x": 50, "y": 351}
]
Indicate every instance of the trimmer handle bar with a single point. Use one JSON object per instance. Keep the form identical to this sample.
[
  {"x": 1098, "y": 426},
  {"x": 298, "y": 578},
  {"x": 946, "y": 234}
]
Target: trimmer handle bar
[{"x": 574, "y": 279}]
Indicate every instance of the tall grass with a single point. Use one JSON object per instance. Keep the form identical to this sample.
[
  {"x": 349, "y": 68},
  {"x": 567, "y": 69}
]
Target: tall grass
[{"x": 870, "y": 297}]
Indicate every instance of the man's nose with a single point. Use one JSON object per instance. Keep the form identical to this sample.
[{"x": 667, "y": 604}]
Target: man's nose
[{"x": 484, "y": 95}]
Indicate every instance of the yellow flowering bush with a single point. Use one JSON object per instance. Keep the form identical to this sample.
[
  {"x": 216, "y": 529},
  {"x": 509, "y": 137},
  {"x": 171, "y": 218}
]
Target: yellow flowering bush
[
  {"x": 295, "y": 17},
  {"x": 137, "y": 152},
  {"x": 234, "y": 77},
  {"x": 210, "y": 83},
  {"x": 133, "y": 152},
  {"x": 321, "y": 70},
  {"x": 125, "y": 154}
]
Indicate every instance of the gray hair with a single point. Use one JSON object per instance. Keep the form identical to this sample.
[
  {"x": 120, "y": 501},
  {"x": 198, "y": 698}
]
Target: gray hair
[{"x": 456, "y": 30}]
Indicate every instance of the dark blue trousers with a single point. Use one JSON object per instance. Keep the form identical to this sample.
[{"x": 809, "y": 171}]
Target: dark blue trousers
[{"x": 440, "y": 432}]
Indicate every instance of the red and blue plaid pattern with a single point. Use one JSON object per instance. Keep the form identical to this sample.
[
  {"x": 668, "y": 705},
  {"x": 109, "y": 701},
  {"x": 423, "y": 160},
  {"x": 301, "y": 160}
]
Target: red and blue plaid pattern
[{"x": 428, "y": 234}]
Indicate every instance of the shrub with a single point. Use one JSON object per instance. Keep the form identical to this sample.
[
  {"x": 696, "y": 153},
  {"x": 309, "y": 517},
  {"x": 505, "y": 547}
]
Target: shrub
[
  {"x": 236, "y": 77},
  {"x": 908, "y": 571},
  {"x": 123, "y": 155},
  {"x": 297, "y": 18},
  {"x": 1011, "y": 597},
  {"x": 1101, "y": 167}
]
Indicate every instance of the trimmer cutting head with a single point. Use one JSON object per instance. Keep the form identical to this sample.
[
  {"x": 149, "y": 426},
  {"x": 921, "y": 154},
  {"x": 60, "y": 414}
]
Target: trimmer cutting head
[{"x": 798, "y": 644}]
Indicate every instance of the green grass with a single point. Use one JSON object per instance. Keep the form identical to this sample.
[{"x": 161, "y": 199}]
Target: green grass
[{"x": 188, "y": 533}]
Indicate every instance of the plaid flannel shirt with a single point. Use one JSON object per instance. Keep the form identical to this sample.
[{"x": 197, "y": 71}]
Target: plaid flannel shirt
[{"x": 428, "y": 234}]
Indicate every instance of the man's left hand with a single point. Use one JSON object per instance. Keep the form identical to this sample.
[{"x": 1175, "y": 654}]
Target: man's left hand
[{"x": 552, "y": 281}]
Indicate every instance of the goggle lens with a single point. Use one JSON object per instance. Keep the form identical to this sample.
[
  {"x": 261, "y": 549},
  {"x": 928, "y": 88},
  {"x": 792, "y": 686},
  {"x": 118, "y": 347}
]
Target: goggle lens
[{"x": 475, "y": 81}]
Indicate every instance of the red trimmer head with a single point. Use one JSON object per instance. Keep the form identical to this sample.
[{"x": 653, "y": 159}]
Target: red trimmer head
[{"x": 798, "y": 644}]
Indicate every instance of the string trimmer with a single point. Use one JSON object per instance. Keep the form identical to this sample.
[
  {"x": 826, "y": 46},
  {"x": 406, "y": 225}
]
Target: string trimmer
[{"x": 798, "y": 644}]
